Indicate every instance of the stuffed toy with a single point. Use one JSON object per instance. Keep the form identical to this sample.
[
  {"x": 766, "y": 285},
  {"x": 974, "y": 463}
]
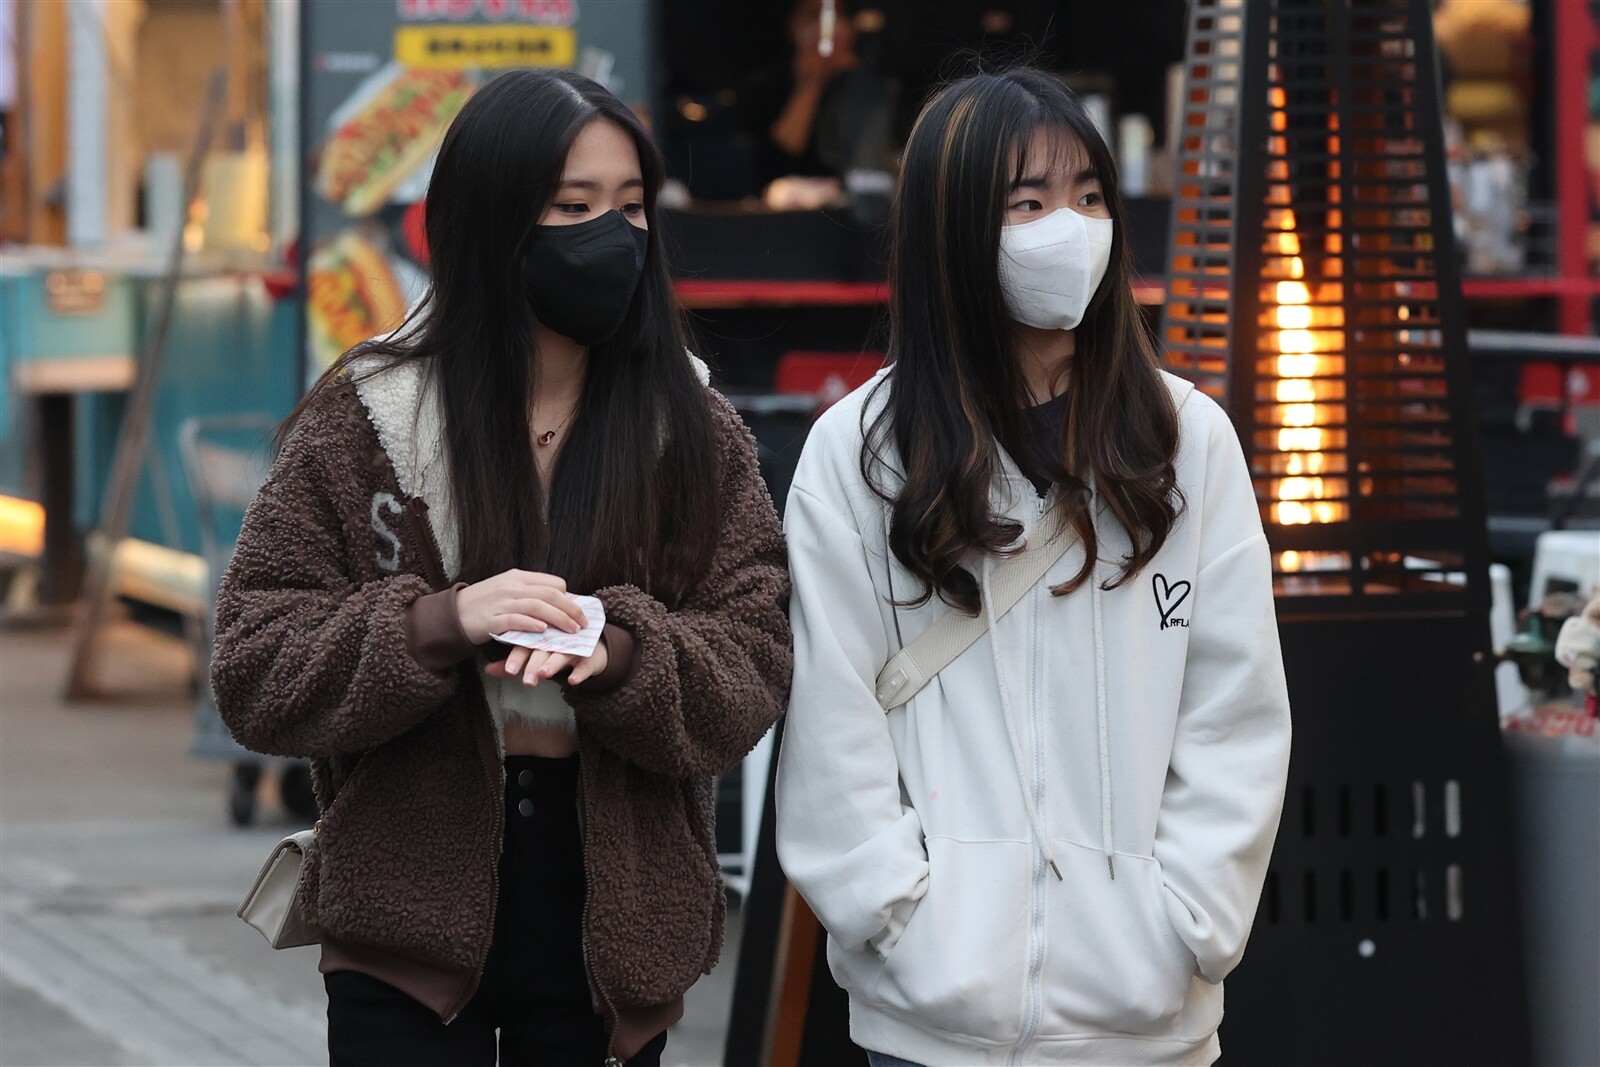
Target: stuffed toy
[{"x": 1578, "y": 648}]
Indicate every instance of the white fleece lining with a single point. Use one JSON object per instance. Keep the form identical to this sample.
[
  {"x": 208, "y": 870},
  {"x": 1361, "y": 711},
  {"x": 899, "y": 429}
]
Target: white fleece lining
[{"x": 404, "y": 409}]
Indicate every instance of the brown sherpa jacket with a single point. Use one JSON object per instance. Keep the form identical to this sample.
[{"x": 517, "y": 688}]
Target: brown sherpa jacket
[{"x": 312, "y": 660}]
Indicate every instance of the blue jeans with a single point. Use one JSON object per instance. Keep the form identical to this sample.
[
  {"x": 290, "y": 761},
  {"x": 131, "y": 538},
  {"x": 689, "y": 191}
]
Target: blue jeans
[{"x": 879, "y": 1059}]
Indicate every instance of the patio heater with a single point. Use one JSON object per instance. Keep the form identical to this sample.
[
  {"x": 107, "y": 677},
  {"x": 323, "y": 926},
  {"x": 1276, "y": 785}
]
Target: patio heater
[{"x": 1314, "y": 291}]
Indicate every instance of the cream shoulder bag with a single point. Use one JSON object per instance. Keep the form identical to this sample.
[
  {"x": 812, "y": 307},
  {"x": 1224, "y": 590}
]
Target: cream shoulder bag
[
  {"x": 915, "y": 665},
  {"x": 271, "y": 906}
]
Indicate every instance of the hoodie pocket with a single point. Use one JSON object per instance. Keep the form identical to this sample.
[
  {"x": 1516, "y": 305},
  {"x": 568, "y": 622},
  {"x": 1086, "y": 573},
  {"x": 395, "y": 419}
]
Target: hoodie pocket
[
  {"x": 957, "y": 966},
  {"x": 1114, "y": 962}
]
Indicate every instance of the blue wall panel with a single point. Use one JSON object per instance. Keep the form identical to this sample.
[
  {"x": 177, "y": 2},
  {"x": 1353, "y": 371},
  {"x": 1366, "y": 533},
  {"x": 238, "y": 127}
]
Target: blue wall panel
[{"x": 230, "y": 349}]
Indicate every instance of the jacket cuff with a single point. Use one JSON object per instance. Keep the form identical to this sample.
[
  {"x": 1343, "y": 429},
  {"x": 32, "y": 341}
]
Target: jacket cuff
[
  {"x": 885, "y": 941},
  {"x": 622, "y": 652},
  {"x": 434, "y": 635}
]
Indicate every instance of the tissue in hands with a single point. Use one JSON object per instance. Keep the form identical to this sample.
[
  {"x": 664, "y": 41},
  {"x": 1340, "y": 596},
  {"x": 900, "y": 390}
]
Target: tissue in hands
[{"x": 580, "y": 644}]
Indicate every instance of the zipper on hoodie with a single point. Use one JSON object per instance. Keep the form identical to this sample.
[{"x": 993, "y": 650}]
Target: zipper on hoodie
[
  {"x": 471, "y": 988},
  {"x": 495, "y": 778},
  {"x": 597, "y": 994},
  {"x": 419, "y": 536},
  {"x": 1035, "y": 991},
  {"x": 420, "y": 541},
  {"x": 494, "y": 774}
]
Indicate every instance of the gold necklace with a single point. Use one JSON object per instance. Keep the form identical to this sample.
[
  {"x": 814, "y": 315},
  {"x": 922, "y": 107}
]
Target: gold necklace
[{"x": 550, "y": 435}]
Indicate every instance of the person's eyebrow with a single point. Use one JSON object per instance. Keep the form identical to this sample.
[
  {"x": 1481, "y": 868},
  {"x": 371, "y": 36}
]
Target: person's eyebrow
[
  {"x": 593, "y": 186},
  {"x": 1032, "y": 181},
  {"x": 1087, "y": 174}
]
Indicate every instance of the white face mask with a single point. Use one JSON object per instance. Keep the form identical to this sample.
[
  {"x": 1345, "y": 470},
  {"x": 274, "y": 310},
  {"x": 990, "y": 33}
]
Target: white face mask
[{"x": 1051, "y": 267}]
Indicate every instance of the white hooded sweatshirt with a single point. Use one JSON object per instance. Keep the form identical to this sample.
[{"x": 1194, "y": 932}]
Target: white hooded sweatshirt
[{"x": 1135, "y": 740}]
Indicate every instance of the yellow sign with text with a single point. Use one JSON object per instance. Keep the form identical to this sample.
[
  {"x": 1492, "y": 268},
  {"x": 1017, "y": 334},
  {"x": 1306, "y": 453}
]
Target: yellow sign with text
[{"x": 486, "y": 47}]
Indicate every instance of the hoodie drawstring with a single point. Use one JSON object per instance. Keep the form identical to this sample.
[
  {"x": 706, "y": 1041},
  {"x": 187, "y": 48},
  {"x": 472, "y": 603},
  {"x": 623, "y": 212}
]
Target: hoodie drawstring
[
  {"x": 1101, "y": 714},
  {"x": 1107, "y": 838},
  {"x": 1023, "y": 778}
]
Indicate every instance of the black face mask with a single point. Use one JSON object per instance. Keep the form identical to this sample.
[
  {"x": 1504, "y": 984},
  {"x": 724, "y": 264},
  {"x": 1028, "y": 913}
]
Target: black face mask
[{"x": 581, "y": 278}]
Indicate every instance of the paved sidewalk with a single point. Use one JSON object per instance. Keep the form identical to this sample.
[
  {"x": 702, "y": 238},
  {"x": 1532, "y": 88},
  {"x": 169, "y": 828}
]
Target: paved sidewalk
[{"x": 119, "y": 876}]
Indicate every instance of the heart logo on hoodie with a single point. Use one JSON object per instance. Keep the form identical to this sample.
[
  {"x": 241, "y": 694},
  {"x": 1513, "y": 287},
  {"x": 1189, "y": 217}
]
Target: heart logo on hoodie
[{"x": 1168, "y": 596}]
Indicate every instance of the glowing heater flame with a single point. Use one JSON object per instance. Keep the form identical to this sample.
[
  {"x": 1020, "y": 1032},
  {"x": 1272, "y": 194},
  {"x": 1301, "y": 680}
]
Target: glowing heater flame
[{"x": 1305, "y": 350}]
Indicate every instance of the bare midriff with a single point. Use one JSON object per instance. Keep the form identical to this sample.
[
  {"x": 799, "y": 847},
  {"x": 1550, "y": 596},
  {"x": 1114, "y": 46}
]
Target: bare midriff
[{"x": 523, "y": 738}]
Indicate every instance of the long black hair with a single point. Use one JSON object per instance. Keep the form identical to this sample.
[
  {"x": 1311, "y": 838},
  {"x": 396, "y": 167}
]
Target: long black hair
[
  {"x": 633, "y": 493},
  {"x": 957, "y": 389}
]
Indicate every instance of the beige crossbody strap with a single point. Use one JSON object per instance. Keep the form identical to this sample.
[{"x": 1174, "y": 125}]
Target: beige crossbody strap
[{"x": 915, "y": 665}]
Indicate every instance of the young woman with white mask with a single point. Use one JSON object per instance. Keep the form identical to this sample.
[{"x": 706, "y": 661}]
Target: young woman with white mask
[{"x": 1053, "y": 850}]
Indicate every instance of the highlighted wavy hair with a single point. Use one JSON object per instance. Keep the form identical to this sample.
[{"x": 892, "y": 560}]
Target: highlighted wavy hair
[{"x": 956, "y": 394}]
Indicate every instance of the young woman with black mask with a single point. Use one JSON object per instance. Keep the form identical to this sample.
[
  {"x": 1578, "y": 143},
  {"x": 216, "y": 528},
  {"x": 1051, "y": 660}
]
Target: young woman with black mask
[
  {"x": 511, "y": 840},
  {"x": 1052, "y": 851}
]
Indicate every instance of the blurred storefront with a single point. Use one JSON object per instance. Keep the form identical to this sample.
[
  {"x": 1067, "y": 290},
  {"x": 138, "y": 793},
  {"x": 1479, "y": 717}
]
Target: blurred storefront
[
  {"x": 306, "y": 235},
  {"x": 105, "y": 117}
]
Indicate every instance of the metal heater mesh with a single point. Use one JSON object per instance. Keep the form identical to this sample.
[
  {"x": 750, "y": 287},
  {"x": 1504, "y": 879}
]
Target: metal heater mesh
[{"x": 1313, "y": 291}]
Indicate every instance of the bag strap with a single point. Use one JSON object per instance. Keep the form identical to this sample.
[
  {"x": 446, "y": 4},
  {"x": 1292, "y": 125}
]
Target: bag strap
[{"x": 915, "y": 665}]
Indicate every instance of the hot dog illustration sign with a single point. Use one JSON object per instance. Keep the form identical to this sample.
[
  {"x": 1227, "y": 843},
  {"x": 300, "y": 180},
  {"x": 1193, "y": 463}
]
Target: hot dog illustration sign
[
  {"x": 375, "y": 159},
  {"x": 509, "y": 33},
  {"x": 386, "y": 78},
  {"x": 545, "y": 12},
  {"x": 396, "y": 127}
]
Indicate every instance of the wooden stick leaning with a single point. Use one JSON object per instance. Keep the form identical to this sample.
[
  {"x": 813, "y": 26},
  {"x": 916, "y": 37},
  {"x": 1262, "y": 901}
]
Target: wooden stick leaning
[{"x": 118, "y": 502}]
